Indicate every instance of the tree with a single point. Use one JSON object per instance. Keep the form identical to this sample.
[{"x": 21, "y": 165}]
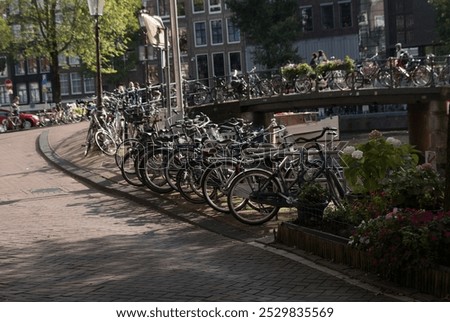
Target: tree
[
  {"x": 443, "y": 26},
  {"x": 271, "y": 25},
  {"x": 51, "y": 28},
  {"x": 442, "y": 22}
]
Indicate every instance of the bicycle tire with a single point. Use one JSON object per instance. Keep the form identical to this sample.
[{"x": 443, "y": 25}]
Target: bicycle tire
[
  {"x": 251, "y": 197},
  {"x": 199, "y": 97},
  {"x": 105, "y": 142},
  {"x": 422, "y": 76},
  {"x": 89, "y": 139},
  {"x": 128, "y": 171},
  {"x": 215, "y": 182},
  {"x": 188, "y": 185},
  {"x": 124, "y": 148},
  {"x": 303, "y": 84},
  {"x": 354, "y": 80},
  {"x": 444, "y": 76},
  {"x": 151, "y": 166}
]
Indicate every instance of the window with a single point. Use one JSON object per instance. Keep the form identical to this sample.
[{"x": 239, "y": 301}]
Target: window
[
  {"x": 218, "y": 65},
  {"x": 234, "y": 33},
  {"x": 35, "y": 96},
  {"x": 163, "y": 8},
  {"x": 45, "y": 65},
  {"x": 202, "y": 67},
  {"x": 327, "y": 16},
  {"x": 216, "y": 32},
  {"x": 19, "y": 67},
  {"x": 3, "y": 66},
  {"x": 307, "y": 18},
  {"x": 89, "y": 84},
  {"x": 62, "y": 60},
  {"x": 200, "y": 33},
  {"x": 22, "y": 92},
  {"x": 235, "y": 61},
  {"x": 345, "y": 12},
  {"x": 75, "y": 83},
  {"x": 215, "y": 6},
  {"x": 4, "y": 95},
  {"x": 74, "y": 61},
  {"x": 198, "y": 6},
  {"x": 32, "y": 66},
  {"x": 181, "y": 10},
  {"x": 64, "y": 80}
]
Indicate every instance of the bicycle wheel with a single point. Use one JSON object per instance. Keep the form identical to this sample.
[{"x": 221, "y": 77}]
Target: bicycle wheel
[
  {"x": 422, "y": 76},
  {"x": 303, "y": 84},
  {"x": 214, "y": 183},
  {"x": 188, "y": 184},
  {"x": 254, "y": 197},
  {"x": 444, "y": 76},
  {"x": 266, "y": 88},
  {"x": 129, "y": 171},
  {"x": 105, "y": 142},
  {"x": 89, "y": 140},
  {"x": 354, "y": 80},
  {"x": 199, "y": 97},
  {"x": 277, "y": 84},
  {"x": 339, "y": 79},
  {"x": 124, "y": 148},
  {"x": 151, "y": 167}
]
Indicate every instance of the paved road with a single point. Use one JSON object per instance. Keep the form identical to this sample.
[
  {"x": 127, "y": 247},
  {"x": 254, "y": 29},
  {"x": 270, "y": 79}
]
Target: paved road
[{"x": 61, "y": 240}]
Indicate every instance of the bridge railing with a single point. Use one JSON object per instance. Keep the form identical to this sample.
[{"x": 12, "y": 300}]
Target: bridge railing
[{"x": 374, "y": 72}]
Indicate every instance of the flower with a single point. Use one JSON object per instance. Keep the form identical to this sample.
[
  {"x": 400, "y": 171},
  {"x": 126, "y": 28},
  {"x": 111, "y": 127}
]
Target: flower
[
  {"x": 370, "y": 164},
  {"x": 412, "y": 239},
  {"x": 349, "y": 150},
  {"x": 357, "y": 154},
  {"x": 395, "y": 142}
]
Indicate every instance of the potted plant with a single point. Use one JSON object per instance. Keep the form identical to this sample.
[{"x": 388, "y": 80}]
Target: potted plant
[{"x": 312, "y": 200}]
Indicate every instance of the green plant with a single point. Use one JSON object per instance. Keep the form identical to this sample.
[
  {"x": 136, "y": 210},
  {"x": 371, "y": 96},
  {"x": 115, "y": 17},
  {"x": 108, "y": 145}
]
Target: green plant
[
  {"x": 347, "y": 64},
  {"x": 312, "y": 193},
  {"x": 368, "y": 165},
  {"x": 291, "y": 71},
  {"x": 420, "y": 187},
  {"x": 405, "y": 239}
]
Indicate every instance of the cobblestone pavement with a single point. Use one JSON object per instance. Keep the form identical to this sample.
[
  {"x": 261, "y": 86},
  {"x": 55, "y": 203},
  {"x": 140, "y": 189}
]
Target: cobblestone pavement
[{"x": 62, "y": 240}]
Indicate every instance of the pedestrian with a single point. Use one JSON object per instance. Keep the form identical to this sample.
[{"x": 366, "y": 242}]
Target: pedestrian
[
  {"x": 402, "y": 55},
  {"x": 313, "y": 61},
  {"x": 321, "y": 57},
  {"x": 15, "y": 109}
]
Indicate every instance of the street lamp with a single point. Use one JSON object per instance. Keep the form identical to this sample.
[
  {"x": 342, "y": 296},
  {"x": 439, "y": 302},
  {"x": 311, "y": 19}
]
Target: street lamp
[
  {"x": 142, "y": 24},
  {"x": 96, "y": 10}
]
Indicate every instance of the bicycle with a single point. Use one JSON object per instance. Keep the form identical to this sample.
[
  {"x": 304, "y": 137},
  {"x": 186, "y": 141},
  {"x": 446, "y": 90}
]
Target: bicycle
[{"x": 255, "y": 196}]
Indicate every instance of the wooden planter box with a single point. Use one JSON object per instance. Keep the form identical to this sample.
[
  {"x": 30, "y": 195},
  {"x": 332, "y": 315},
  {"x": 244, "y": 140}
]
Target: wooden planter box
[{"x": 434, "y": 281}]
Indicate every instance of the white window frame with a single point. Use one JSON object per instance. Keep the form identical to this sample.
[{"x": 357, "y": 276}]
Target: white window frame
[
  {"x": 195, "y": 34},
  {"x": 64, "y": 83},
  {"x": 211, "y": 31},
  {"x": 193, "y": 7},
  {"x": 236, "y": 27},
  {"x": 76, "y": 81},
  {"x": 35, "y": 94},
  {"x": 216, "y": 7},
  {"x": 89, "y": 84}
]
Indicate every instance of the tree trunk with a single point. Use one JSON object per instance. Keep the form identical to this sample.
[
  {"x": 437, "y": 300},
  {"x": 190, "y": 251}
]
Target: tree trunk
[{"x": 56, "y": 82}]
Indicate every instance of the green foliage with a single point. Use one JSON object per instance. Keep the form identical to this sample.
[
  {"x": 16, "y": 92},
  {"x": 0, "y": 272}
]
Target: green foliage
[
  {"x": 271, "y": 25},
  {"x": 420, "y": 187},
  {"x": 442, "y": 22},
  {"x": 347, "y": 64},
  {"x": 312, "y": 193},
  {"x": 405, "y": 239},
  {"x": 367, "y": 166},
  {"x": 290, "y": 71}
]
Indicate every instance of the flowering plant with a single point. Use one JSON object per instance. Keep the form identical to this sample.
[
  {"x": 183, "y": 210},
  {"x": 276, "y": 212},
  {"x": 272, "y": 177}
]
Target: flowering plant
[
  {"x": 420, "y": 187},
  {"x": 347, "y": 64},
  {"x": 367, "y": 165},
  {"x": 405, "y": 239},
  {"x": 291, "y": 71}
]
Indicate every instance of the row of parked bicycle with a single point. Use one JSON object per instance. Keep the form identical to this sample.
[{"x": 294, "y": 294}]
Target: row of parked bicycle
[
  {"x": 371, "y": 72},
  {"x": 233, "y": 167}
]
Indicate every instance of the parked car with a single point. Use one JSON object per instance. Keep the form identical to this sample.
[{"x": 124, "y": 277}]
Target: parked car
[{"x": 28, "y": 120}]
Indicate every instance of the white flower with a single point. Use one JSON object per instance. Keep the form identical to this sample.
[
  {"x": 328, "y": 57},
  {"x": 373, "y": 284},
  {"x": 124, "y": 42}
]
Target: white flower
[
  {"x": 357, "y": 154},
  {"x": 395, "y": 142},
  {"x": 348, "y": 150}
]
